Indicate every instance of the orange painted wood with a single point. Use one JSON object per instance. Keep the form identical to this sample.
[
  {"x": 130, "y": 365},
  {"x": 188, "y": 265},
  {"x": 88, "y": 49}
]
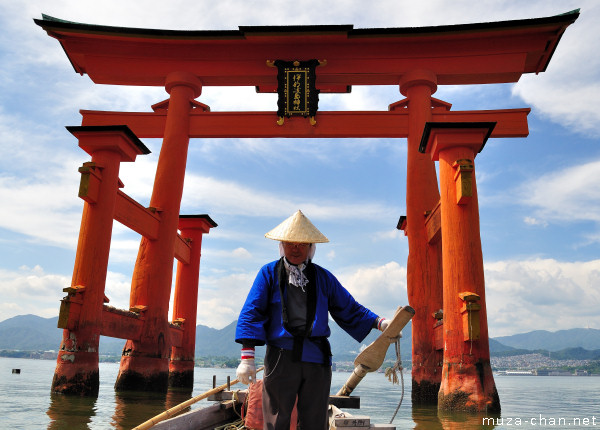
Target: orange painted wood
[
  {"x": 185, "y": 300},
  {"x": 457, "y": 55},
  {"x": 182, "y": 250},
  {"x": 433, "y": 224},
  {"x": 392, "y": 124},
  {"x": 121, "y": 324},
  {"x": 89, "y": 185},
  {"x": 176, "y": 334},
  {"x": 151, "y": 284},
  {"x": 138, "y": 218},
  {"x": 77, "y": 362},
  {"x": 424, "y": 263},
  {"x": 438, "y": 332},
  {"x": 467, "y": 380}
]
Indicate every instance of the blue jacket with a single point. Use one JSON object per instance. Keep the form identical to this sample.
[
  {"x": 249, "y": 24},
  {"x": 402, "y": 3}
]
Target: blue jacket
[{"x": 260, "y": 320}]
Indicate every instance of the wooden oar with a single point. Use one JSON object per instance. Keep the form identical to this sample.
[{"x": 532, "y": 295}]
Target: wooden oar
[
  {"x": 372, "y": 357},
  {"x": 169, "y": 413}
]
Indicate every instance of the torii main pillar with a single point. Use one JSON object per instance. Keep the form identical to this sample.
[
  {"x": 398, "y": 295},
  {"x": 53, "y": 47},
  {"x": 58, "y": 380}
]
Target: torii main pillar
[
  {"x": 145, "y": 362},
  {"x": 424, "y": 265},
  {"x": 467, "y": 382}
]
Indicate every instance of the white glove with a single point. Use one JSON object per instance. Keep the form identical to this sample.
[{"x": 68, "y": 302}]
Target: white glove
[
  {"x": 383, "y": 324},
  {"x": 246, "y": 371}
]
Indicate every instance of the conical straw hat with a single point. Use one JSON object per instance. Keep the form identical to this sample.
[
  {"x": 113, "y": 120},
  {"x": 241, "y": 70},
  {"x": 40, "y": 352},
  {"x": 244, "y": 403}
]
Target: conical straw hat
[{"x": 298, "y": 229}]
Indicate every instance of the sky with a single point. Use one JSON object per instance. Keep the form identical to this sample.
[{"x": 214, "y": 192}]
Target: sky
[{"x": 539, "y": 196}]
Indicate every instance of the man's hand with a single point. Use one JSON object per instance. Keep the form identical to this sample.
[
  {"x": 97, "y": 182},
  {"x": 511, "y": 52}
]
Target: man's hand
[
  {"x": 246, "y": 371},
  {"x": 383, "y": 324}
]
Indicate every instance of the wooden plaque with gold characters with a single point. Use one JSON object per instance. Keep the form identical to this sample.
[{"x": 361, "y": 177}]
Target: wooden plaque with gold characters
[{"x": 296, "y": 88}]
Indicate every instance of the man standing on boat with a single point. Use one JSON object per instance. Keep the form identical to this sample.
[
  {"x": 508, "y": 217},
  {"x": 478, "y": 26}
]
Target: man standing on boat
[{"x": 295, "y": 329}]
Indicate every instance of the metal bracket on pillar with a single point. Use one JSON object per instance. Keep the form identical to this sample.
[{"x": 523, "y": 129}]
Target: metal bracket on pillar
[
  {"x": 89, "y": 185},
  {"x": 402, "y": 224},
  {"x": 438, "y": 329},
  {"x": 470, "y": 313},
  {"x": 464, "y": 180}
]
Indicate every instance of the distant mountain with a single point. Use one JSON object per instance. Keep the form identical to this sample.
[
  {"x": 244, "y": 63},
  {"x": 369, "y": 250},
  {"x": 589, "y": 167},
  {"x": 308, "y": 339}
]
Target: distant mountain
[
  {"x": 496, "y": 347},
  {"x": 587, "y": 338},
  {"x": 34, "y": 333},
  {"x": 30, "y": 333}
]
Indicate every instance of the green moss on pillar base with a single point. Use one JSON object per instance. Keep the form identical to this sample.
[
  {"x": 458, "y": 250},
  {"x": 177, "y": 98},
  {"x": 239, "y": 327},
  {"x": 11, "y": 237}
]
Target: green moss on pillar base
[
  {"x": 134, "y": 381},
  {"x": 425, "y": 392},
  {"x": 81, "y": 384},
  {"x": 184, "y": 379},
  {"x": 460, "y": 401}
]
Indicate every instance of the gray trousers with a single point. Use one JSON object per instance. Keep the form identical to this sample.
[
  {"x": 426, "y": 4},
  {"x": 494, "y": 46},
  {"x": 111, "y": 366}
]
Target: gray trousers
[{"x": 283, "y": 381}]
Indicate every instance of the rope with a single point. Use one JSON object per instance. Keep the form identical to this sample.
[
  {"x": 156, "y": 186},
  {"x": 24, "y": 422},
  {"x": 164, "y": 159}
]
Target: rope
[
  {"x": 236, "y": 425},
  {"x": 392, "y": 375}
]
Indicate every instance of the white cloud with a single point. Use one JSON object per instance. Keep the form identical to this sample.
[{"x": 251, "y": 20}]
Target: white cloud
[
  {"x": 567, "y": 91},
  {"x": 30, "y": 290},
  {"x": 534, "y": 221},
  {"x": 566, "y": 195},
  {"x": 394, "y": 234},
  {"x": 220, "y": 298},
  {"x": 118, "y": 288},
  {"x": 53, "y": 214},
  {"x": 232, "y": 255},
  {"x": 241, "y": 253},
  {"x": 230, "y": 197},
  {"x": 380, "y": 288},
  {"x": 541, "y": 294}
]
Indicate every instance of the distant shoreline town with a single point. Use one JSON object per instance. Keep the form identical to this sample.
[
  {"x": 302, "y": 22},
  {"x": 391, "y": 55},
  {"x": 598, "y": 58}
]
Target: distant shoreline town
[{"x": 534, "y": 364}]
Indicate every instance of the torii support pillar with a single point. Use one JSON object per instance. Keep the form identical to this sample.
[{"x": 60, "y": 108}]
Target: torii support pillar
[
  {"x": 424, "y": 265},
  {"x": 185, "y": 305},
  {"x": 467, "y": 381},
  {"x": 77, "y": 364},
  {"x": 145, "y": 362}
]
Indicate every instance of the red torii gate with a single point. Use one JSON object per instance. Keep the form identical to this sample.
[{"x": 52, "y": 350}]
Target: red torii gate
[{"x": 450, "y": 348}]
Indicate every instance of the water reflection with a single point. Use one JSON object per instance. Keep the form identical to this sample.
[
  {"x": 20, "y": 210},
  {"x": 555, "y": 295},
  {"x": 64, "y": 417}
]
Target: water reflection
[
  {"x": 71, "y": 412},
  {"x": 426, "y": 417},
  {"x": 133, "y": 408},
  {"x": 468, "y": 421}
]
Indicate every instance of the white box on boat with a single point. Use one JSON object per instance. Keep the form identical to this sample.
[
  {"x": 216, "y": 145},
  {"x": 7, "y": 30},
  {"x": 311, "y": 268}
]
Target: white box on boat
[
  {"x": 383, "y": 426},
  {"x": 351, "y": 422}
]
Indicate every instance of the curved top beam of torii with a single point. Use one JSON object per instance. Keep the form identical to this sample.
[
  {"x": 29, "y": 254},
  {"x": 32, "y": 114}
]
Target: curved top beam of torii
[{"x": 494, "y": 52}]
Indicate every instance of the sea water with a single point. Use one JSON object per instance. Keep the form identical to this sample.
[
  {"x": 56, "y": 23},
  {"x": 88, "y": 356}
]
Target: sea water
[{"x": 551, "y": 402}]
